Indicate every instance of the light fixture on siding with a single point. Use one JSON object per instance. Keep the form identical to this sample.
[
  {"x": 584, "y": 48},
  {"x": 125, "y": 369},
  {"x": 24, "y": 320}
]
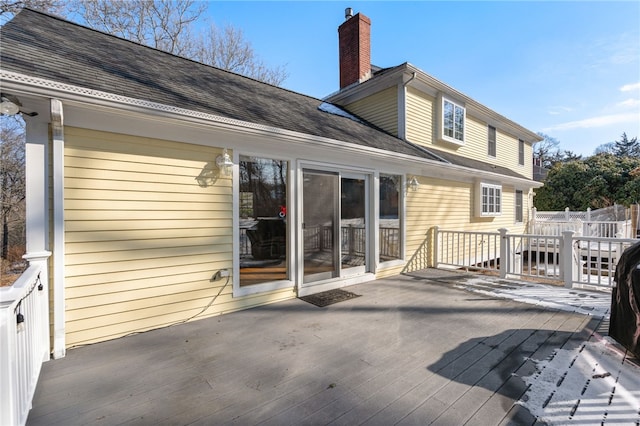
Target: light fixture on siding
[
  {"x": 10, "y": 105},
  {"x": 224, "y": 162},
  {"x": 413, "y": 184}
]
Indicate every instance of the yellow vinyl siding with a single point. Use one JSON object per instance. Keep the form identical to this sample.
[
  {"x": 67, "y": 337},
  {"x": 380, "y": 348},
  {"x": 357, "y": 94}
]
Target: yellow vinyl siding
[
  {"x": 507, "y": 154},
  {"x": 386, "y": 271},
  {"x": 477, "y": 147},
  {"x": 420, "y": 116},
  {"x": 475, "y": 144},
  {"x": 155, "y": 316},
  {"x": 380, "y": 109},
  {"x": 142, "y": 238},
  {"x": 451, "y": 206}
]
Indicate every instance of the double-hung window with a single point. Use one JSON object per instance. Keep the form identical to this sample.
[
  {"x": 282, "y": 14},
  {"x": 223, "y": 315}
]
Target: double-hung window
[
  {"x": 453, "y": 121},
  {"x": 491, "y": 151},
  {"x": 490, "y": 199},
  {"x": 519, "y": 208},
  {"x": 521, "y": 152}
]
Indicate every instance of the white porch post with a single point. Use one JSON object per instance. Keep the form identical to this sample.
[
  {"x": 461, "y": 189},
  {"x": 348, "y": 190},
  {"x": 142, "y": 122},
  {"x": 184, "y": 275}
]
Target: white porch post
[
  {"x": 433, "y": 245},
  {"x": 504, "y": 253},
  {"x": 566, "y": 258},
  {"x": 37, "y": 223},
  {"x": 57, "y": 134}
]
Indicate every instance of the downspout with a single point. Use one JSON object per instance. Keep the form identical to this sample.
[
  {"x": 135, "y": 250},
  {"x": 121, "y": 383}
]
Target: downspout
[
  {"x": 57, "y": 140},
  {"x": 402, "y": 108}
]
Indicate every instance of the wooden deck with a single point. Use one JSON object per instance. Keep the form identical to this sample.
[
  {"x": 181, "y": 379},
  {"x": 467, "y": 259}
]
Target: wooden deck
[{"x": 410, "y": 350}]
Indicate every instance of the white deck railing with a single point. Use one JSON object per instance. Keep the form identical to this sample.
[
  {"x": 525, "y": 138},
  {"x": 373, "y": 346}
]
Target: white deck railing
[
  {"x": 570, "y": 258},
  {"x": 610, "y": 222},
  {"x": 605, "y": 229},
  {"x": 24, "y": 338}
]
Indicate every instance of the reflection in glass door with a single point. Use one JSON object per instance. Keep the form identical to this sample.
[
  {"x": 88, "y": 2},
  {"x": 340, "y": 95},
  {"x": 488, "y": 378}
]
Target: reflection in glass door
[
  {"x": 353, "y": 230},
  {"x": 334, "y": 225},
  {"x": 320, "y": 225}
]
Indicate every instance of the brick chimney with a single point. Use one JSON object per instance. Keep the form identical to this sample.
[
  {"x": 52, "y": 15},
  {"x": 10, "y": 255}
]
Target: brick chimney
[{"x": 354, "y": 38}]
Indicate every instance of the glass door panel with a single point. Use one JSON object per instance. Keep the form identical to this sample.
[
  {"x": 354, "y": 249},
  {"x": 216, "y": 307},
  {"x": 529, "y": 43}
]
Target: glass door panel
[
  {"x": 263, "y": 220},
  {"x": 320, "y": 225},
  {"x": 353, "y": 229}
]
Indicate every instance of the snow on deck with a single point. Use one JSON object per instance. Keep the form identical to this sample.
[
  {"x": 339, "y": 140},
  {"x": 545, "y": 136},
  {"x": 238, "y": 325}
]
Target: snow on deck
[{"x": 593, "y": 384}]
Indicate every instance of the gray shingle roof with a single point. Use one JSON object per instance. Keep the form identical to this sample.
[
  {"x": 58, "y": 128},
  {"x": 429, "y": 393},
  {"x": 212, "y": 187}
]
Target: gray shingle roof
[{"x": 47, "y": 47}]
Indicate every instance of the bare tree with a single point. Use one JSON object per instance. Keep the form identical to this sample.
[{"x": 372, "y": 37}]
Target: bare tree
[
  {"x": 545, "y": 150},
  {"x": 8, "y": 8},
  {"x": 226, "y": 48},
  {"x": 168, "y": 25},
  {"x": 162, "y": 24},
  {"x": 12, "y": 179}
]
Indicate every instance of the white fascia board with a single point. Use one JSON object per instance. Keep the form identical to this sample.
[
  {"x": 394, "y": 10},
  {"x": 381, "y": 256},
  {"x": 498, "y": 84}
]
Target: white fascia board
[{"x": 83, "y": 97}]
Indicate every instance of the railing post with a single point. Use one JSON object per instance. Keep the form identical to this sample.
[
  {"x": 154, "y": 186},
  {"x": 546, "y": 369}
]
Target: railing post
[
  {"x": 504, "y": 252},
  {"x": 566, "y": 258},
  {"x": 532, "y": 222},
  {"x": 352, "y": 240},
  {"x": 41, "y": 260},
  {"x": 8, "y": 368},
  {"x": 433, "y": 246},
  {"x": 566, "y": 214},
  {"x": 588, "y": 214}
]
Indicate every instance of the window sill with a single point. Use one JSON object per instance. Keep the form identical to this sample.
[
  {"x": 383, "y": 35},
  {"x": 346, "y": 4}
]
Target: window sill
[{"x": 452, "y": 140}]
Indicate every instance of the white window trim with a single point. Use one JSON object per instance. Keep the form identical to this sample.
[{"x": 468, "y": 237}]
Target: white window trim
[
  {"x": 450, "y": 139},
  {"x": 497, "y": 211},
  {"x": 522, "y": 145},
  {"x": 515, "y": 206},
  {"x": 239, "y": 291},
  {"x": 495, "y": 141},
  {"x": 401, "y": 215}
]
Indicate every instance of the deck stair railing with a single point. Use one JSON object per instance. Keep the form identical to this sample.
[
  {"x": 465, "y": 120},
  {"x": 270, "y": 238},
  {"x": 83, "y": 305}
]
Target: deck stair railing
[{"x": 24, "y": 333}]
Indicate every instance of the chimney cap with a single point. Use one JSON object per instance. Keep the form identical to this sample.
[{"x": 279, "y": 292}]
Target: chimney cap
[{"x": 348, "y": 13}]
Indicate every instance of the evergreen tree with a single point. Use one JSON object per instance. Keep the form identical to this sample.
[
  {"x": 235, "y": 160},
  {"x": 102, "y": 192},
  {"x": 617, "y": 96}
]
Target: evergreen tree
[{"x": 626, "y": 147}]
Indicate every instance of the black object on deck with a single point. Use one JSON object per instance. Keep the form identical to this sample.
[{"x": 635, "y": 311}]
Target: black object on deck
[{"x": 624, "y": 326}]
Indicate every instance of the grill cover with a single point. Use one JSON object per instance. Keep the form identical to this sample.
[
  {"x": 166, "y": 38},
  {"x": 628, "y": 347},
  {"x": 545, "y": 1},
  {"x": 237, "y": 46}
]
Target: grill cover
[{"x": 624, "y": 326}]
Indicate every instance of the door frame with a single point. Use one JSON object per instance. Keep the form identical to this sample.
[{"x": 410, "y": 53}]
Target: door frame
[{"x": 359, "y": 274}]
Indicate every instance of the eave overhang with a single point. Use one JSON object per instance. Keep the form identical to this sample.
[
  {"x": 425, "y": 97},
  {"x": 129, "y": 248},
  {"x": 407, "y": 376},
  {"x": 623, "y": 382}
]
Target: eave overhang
[{"x": 20, "y": 84}]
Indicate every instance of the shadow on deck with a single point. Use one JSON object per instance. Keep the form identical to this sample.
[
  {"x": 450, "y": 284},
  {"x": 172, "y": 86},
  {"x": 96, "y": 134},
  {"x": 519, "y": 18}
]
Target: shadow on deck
[{"x": 411, "y": 350}]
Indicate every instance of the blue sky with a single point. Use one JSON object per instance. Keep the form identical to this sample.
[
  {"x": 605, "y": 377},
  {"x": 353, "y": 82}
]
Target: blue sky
[{"x": 568, "y": 69}]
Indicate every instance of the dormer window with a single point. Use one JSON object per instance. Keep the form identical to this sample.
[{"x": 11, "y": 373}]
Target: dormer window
[{"x": 453, "y": 120}]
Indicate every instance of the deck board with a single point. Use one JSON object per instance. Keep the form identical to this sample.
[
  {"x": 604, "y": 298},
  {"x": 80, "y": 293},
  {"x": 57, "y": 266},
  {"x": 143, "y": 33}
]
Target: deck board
[{"x": 411, "y": 350}]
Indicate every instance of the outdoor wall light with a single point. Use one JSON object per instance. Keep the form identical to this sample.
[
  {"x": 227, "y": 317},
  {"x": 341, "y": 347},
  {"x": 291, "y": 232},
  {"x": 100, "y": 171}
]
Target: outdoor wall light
[
  {"x": 413, "y": 184},
  {"x": 10, "y": 105},
  {"x": 224, "y": 162}
]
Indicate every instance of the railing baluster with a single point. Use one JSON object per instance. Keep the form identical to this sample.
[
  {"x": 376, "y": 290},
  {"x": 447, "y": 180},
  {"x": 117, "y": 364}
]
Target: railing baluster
[{"x": 23, "y": 347}]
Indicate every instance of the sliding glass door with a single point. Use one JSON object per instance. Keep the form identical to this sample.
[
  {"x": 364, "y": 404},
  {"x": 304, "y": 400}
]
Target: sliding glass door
[
  {"x": 320, "y": 224},
  {"x": 335, "y": 232}
]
